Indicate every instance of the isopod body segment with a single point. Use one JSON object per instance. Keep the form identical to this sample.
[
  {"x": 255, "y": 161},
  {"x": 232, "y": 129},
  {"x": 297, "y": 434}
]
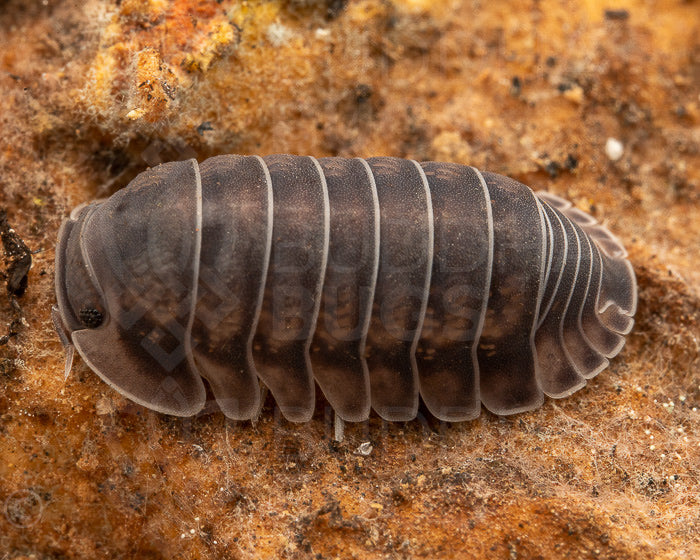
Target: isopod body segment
[{"x": 380, "y": 280}]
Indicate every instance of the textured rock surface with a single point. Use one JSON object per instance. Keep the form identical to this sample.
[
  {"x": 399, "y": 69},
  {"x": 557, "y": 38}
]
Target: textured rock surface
[{"x": 94, "y": 92}]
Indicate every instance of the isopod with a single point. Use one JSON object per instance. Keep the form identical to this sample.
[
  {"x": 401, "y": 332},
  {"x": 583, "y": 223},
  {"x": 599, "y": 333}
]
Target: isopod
[{"x": 382, "y": 280}]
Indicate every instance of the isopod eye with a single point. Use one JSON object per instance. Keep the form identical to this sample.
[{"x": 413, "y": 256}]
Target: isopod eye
[
  {"x": 90, "y": 317},
  {"x": 80, "y": 304}
]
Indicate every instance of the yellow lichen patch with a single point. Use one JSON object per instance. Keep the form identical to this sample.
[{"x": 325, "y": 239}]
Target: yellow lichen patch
[
  {"x": 253, "y": 17},
  {"x": 145, "y": 10},
  {"x": 141, "y": 82},
  {"x": 136, "y": 114},
  {"x": 150, "y": 50},
  {"x": 360, "y": 13},
  {"x": 221, "y": 38}
]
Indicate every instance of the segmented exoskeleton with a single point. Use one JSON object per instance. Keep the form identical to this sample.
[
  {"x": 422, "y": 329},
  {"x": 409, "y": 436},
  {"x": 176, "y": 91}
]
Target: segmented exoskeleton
[{"x": 380, "y": 279}]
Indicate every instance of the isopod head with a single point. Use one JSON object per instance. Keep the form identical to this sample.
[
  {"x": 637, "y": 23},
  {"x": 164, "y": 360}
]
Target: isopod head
[{"x": 125, "y": 285}]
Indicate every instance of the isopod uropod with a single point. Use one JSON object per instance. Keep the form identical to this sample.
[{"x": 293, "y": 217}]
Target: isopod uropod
[{"x": 380, "y": 279}]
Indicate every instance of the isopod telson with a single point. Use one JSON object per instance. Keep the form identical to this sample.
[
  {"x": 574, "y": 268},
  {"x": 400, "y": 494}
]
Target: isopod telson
[{"x": 380, "y": 279}]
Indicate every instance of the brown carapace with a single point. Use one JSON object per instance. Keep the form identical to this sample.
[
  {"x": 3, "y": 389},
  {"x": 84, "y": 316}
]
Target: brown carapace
[{"x": 382, "y": 280}]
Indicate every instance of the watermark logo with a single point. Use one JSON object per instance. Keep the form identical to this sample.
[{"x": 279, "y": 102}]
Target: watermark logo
[{"x": 24, "y": 508}]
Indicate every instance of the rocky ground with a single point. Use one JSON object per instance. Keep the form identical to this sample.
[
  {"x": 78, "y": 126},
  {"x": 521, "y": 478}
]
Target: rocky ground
[{"x": 94, "y": 92}]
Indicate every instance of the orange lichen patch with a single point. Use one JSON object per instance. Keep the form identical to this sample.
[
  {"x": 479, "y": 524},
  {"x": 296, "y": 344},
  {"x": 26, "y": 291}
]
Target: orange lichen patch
[{"x": 175, "y": 28}]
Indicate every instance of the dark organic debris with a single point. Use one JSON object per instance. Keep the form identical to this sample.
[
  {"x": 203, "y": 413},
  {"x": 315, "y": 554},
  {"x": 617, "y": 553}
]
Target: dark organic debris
[
  {"x": 206, "y": 126},
  {"x": 18, "y": 261},
  {"x": 18, "y": 257},
  {"x": 619, "y": 15}
]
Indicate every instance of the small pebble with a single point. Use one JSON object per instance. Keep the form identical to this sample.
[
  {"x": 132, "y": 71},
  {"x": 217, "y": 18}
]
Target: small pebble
[
  {"x": 278, "y": 34},
  {"x": 614, "y": 149},
  {"x": 365, "y": 449},
  {"x": 575, "y": 94}
]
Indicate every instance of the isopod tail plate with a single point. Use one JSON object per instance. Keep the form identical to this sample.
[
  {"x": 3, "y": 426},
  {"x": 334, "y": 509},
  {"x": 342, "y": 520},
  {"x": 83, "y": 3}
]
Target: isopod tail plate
[{"x": 381, "y": 281}]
